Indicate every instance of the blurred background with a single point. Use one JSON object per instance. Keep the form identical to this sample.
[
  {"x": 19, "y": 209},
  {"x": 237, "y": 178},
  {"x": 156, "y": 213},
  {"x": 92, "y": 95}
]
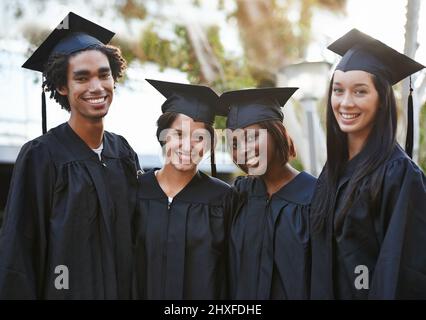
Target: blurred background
[{"x": 227, "y": 45}]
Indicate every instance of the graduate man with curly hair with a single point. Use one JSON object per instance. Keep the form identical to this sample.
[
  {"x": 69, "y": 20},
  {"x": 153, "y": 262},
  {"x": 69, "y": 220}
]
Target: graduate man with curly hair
[{"x": 67, "y": 227}]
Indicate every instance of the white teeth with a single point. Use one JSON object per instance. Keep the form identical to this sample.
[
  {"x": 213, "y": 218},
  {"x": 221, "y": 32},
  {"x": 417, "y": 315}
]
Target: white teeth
[
  {"x": 349, "y": 115},
  {"x": 95, "y": 101}
]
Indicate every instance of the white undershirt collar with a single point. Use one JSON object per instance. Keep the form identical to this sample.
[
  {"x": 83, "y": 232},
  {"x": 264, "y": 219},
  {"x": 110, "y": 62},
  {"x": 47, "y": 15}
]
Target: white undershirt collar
[{"x": 98, "y": 151}]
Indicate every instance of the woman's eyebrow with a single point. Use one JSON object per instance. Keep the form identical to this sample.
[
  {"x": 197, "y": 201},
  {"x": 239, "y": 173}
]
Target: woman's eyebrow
[{"x": 355, "y": 85}]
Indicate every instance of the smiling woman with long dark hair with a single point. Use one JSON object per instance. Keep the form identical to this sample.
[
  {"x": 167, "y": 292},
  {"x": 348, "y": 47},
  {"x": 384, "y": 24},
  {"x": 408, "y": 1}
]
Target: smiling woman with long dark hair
[{"x": 369, "y": 209}]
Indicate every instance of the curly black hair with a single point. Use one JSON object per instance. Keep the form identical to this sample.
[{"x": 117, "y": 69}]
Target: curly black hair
[{"x": 55, "y": 71}]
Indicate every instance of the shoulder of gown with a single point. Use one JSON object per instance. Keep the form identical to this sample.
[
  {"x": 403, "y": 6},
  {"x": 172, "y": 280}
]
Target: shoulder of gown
[
  {"x": 65, "y": 145},
  {"x": 119, "y": 146},
  {"x": 299, "y": 191}
]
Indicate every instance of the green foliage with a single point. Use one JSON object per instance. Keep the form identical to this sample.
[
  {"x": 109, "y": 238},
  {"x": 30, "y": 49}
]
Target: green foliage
[
  {"x": 132, "y": 9},
  {"x": 283, "y": 40},
  {"x": 220, "y": 122},
  {"x": 169, "y": 53},
  {"x": 34, "y": 36},
  {"x": 18, "y": 12},
  {"x": 187, "y": 59},
  {"x": 154, "y": 48},
  {"x": 221, "y": 4},
  {"x": 297, "y": 164},
  {"x": 196, "y": 3},
  {"x": 236, "y": 74},
  {"x": 179, "y": 54},
  {"x": 126, "y": 47}
]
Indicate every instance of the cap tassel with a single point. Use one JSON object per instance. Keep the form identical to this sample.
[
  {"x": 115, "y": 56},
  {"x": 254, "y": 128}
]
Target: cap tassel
[
  {"x": 212, "y": 159},
  {"x": 43, "y": 112},
  {"x": 409, "y": 138}
]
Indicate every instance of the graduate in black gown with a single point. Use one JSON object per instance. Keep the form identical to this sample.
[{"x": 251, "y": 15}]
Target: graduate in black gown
[
  {"x": 67, "y": 227},
  {"x": 183, "y": 214},
  {"x": 369, "y": 210},
  {"x": 269, "y": 247}
]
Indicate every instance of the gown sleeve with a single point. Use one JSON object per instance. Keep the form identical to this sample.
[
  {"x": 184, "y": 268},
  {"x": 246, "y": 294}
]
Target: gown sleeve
[
  {"x": 23, "y": 237},
  {"x": 400, "y": 272}
]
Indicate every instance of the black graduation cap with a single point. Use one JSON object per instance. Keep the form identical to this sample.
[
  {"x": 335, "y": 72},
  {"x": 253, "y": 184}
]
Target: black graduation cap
[
  {"x": 250, "y": 106},
  {"x": 199, "y": 102},
  {"x": 362, "y": 52},
  {"x": 73, "y": 34}
]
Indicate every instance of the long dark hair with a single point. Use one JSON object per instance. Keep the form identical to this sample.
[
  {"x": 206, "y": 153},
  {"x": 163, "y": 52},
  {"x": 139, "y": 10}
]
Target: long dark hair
[
  {"x": 379, "y": 146},
  {"x": 166, "y": 120}
]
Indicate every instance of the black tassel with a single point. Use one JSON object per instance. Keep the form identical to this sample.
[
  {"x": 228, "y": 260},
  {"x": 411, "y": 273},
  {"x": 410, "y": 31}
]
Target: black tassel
[
  {"x": 212, "y": 159},
  {"x": 410, "y": 134},
  {"x": 43, "y": 107},
  {"x": 43, "y": 112}
]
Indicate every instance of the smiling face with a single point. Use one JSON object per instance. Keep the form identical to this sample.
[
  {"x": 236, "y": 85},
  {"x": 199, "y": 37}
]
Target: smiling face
[
  {"x": 186, "y": 141},
  {"x": 355, "y": 102},
  {"x": 252, "y": 149},
  {"x": 90, "y": 85}
]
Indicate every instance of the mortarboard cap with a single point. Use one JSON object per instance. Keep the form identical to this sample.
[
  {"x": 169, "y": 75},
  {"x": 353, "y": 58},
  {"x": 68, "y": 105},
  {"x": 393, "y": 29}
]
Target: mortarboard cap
[
  {"x": 73, "y": 34},
  {"x": 198, "y": 102},
  {"x": 362, "y": 52},
  {"x": 250, "y": 106}
]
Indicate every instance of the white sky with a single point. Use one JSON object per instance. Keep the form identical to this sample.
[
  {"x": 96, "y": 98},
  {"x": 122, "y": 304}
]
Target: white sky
[{"x": 382, "y": 19}]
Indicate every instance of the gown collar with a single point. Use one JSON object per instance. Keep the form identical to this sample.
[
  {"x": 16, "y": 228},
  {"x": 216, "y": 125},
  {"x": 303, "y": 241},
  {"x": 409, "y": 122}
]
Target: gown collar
[
  {"x": 77, "y": 147},
  {"x": 299, "y": 190},
  {"x": 156, "y": 192},
  {"x": 353, "y": 164}
]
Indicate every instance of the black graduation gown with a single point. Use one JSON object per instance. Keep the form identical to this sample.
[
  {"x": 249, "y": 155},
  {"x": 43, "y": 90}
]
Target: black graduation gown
[
  {"x": 269, "y": 248},
  {"x": 387, "y": 239},
  {"x": 65, "y": 207},
  {"x": 181, "y": 249}
]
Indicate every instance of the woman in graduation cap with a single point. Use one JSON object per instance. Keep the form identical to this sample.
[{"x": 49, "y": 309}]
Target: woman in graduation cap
[
  {"x": 369, "y": 210},
  {"x": 181, "y": 227},
  {"x": 67, "y": 226},
  {"x": 269, "y": 247}
]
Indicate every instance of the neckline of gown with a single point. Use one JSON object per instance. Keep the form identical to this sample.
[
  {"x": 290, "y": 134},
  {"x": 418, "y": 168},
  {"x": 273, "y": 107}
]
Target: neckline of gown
[
  {"x": 298, "y": 190},
  {"x": 79, "y": 149},
  {"x": 181, "y": 194}
]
